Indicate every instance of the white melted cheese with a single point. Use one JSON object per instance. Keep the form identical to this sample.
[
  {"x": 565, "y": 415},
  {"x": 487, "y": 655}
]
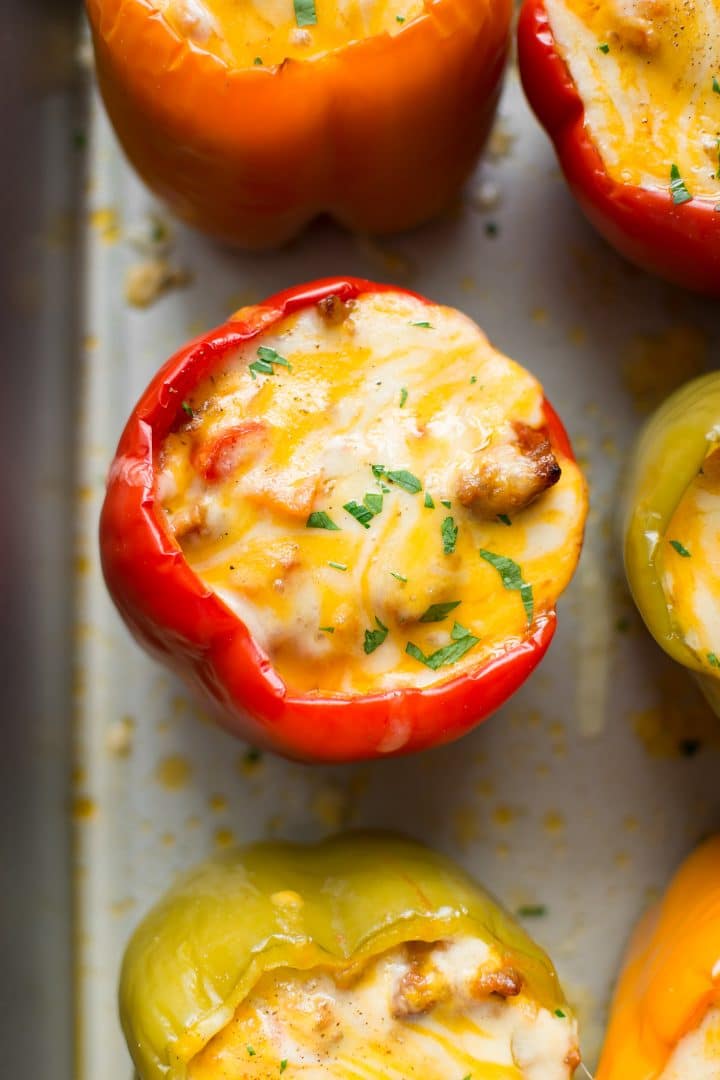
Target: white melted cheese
[
  {"x": 245, "y": 32},
  {"x": 697, "y": 1055},
  {"x": 691, "y": 576},
  {"x": 413, "y": 388},
  {"x": 644, "y": 70},
  {"x": 416, "y": 1011}
]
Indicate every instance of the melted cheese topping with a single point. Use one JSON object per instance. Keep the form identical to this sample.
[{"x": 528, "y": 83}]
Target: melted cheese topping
[
  {"x": 432, "y": 1012},
  {"x": 645, "y": 70},
  {"x": 697, "y": 1055},
  {"x": 245, "y": 32},
  {"x": 403, "y": 413},
  {"x": 692, "y": 581}
]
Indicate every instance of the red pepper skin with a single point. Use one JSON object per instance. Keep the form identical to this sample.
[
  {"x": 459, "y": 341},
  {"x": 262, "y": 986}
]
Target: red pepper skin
[
  {"x": 679, "y": 243},
  {"x": 183, "y": 623}
]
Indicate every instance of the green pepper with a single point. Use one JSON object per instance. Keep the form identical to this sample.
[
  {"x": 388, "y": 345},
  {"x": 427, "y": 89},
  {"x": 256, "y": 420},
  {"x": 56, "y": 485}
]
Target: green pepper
[
  {"x": 669, "y": 458},
  {"x": 202, "y": 949}
]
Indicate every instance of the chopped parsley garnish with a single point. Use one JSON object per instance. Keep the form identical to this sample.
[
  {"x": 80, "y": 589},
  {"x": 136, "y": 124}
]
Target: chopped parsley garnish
[
  {"x": 713, "y": 660},
  {"x": 320, "y": 520},
  {"x": 679, "y": 192},
  {"x": 505, "y": 519},
  {"x": 337, "y": 565},
  {"x": 264, "y": 363},
  {"x": 403, "y": 396},
  {"x": 375, "y": 638},
  {"x": 188, "y": 409},
  {"x": 404, "y": 479},
  {"x": 429, "y": 501},
  {"x": 305, "y": 14},
  {"x": 359, "y": 512},
  {"x": 373, "y": 501},
  {"x": 511, "y": 576},
  {"x": 462, "y": 642},
  {"x": 468, "y": 1077},
  {"x": 400, "y": 18},
  {"x": 446, "y": 502},
  {"x": 716, "y": 85},
  {"x": 283, "y": 1065},
  {"x": 473, "y": 380},
  {"x": 398, "y": 577},
  {"x": 328, "y": 629},
  {"x": 423, "y": 325},
  {"x": 604, "y": 47},
  {"x": 532, "y": 911},
  {"x": 257, "y": 61},
  {"x": 560, "y": 1013},
  {"x": 378, "y": 471},
  {"x": 491, "y": 228},
  {"x": 622, "y": 625},
  {"x": 251, "y": 1052},
  {"x": 681, "y": 550},
  {"x": 449, "y": 531},
  {"x": 438, "y": 612}
]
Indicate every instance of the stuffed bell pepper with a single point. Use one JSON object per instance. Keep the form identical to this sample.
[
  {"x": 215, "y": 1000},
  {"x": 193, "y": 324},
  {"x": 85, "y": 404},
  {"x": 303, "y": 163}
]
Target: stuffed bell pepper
[
  {"x": 665, "y": 1019},
  {"x": 364, "y": 956},
  {"x": 629, "y": 92},
  {"x": 345, "y": 518},
  {"x": 672, "y": 529},
  {"x": 251, "y": 119}
]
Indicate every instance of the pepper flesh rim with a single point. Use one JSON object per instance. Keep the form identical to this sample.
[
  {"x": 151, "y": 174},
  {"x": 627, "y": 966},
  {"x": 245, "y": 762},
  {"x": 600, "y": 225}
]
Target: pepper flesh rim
[{"x": 315, "y": 726}]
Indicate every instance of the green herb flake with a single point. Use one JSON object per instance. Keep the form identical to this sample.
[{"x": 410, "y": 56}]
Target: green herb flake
[
  {"x": 423, "y": 325},
  {"x": 512, "y": 579},
  {"x": 622, "y": 624},
  {"x": 283, "y": 1065},
  {"x": 337, "y": 565},
  {"x": 258, "y": 61},
  {"x": 253, "y": 757},
  {"x": 678, "y": 190},
  {"x": 468, "y": 1077},
  {"x": 604, "y": 47},
  {"x": 404, "y": 479},
  {"x": 438, "y": 612},
  {"x": 681, "y": 550},
  {"x": 400, "y": 18},
  {"x": 461, "y": 643},
  {"x": 305, "y": 14},
  {"x": 446, "y": 503},
  {"x": 429, "y": 501},
  {"x": 473, "y": 380},
  {"x": 320, "y": 520},
  {"x": 378, "y": 471},
  {"x": 375, "y": 638},
  {"x": 328, "y": 629},
  {"x": 713, "y": 660},
  {"x": 398, "y": 577},
  {"x": 403, "y": 396},
  {"x": 79, "y": 140},
  {"x": 449, "y": 532},
  {"x": 491, "y": 228},
  {"x": 270, "y": 356},
  {"x": 532, "y": 911},
  {"x": 505, "y": 519},
  {"x": 361, "y": 513},
  {"x": 560, "y": 1013},
  {"x": 373, "y": 501},
  {"x": 251, "y": 1052},
  {"x": 188, "y": 409},
  {"x": 716, "y": 85}
]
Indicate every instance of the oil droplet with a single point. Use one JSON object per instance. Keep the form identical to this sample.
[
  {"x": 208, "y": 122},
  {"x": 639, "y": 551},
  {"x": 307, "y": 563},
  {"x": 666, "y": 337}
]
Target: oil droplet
[{"x": 84, "y": 808}]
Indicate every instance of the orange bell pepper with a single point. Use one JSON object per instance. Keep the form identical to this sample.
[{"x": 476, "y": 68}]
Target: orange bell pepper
[
  {"x": 379, "y": 133},
  {"x": 672, "y": 973}
]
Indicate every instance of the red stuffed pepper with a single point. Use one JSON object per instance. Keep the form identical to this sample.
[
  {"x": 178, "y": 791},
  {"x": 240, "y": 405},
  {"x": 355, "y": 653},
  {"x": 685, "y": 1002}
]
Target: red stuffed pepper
[
  {"x": 629, "y": 92},
  {"x": 346, "y": 519}
]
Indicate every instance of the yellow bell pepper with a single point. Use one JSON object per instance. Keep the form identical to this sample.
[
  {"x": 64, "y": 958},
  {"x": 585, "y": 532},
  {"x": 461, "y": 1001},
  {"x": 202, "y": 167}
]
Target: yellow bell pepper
[
  {"x": 671, "y": 983},
  {"x": 328, "y": 916},
  {"x": 672, "y": 524}
]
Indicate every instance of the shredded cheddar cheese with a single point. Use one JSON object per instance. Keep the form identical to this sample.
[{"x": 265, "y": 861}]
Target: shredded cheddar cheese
[
  {"x": 267, "y": 32},
  {"x": 369, "y": 538},
  {"x": 431, "y": 1012},
  {"x": 689, "y": 566},
  {"x": 648, "y": 72}
]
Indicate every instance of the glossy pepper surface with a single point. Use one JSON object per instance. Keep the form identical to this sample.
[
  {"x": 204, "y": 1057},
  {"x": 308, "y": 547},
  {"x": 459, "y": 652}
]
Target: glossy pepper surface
[
  {"x": 188, "y": 626},
  {"x": 669, "y": 455},
  {"x": 200, "y": 951},
  {"x": 678, "y": 241},
  {"x": 379, "y": 134},
  {"x": 671, "y": 975}
]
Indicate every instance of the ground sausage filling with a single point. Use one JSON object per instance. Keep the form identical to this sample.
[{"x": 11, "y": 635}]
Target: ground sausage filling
[
  {"x": 431, "y": 1011},
  {"x": 371, "y": 487}
]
